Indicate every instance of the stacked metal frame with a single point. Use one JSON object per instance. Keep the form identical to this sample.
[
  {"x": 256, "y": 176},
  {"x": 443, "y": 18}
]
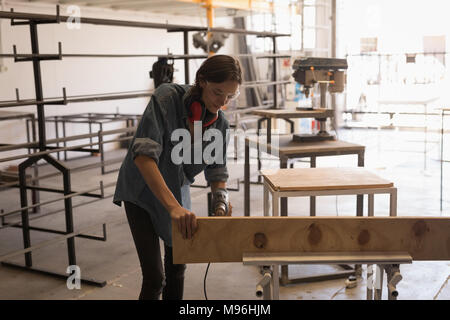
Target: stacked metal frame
[{"x": 42, "y": 144}]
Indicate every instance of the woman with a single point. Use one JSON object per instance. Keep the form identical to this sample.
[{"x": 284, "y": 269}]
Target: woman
[{"x": 154, "y": 188}]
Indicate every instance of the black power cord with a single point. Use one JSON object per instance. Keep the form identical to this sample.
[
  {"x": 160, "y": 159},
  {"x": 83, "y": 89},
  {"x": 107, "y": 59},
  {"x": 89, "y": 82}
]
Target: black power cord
[
  {"x": 204, "y": 281},
  {"x": 334, "y": 128}
]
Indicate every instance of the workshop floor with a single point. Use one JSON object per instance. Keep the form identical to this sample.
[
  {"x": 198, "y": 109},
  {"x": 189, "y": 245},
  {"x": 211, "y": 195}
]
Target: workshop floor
[{"x": 394, "y": 155}]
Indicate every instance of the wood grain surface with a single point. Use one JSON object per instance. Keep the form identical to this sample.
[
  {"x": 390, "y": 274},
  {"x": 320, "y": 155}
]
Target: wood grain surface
[
  {"x": 226, "y": 239},
  {"x": 287, "y": 114},
  {"x": 299, "y": 179}
]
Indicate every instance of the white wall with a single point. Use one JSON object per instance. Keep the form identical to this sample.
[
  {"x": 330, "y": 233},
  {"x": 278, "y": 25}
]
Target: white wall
[
  {"x": 90, "y": 75},
  {"x": 399, "y": 25}
]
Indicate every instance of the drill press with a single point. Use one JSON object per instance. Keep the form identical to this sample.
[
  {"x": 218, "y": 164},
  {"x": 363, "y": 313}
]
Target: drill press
[{"x": 329, "y": 74}]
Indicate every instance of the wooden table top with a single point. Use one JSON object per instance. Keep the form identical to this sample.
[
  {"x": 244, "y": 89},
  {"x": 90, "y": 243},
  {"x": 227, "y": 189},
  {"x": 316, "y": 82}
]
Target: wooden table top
[
  {"x": 319, "y": 179},
  {"x": 293, "y": 113},
  {"x": 288, "y": 147}
]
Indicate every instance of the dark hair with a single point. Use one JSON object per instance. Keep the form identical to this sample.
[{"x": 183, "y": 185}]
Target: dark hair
[{"x": 217, "y": 68}]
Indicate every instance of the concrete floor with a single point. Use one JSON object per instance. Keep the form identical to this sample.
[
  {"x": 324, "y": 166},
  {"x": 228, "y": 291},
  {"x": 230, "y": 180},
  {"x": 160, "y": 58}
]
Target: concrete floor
[{"x": 393, "y": 155}]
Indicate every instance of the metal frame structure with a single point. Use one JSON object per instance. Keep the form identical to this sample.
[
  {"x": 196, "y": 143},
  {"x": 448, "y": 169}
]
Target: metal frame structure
[
  {"x": 384, "y": 261},
  {"x": 29, "y": 116},
  {"x": 42, "y": 144},
  {"x": 100, "y": 119},
  {"x": 42, "y": 155}
]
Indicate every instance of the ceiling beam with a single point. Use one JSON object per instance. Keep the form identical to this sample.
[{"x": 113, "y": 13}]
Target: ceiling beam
[
  {"x": 105, "y": 3},
  {"x": 176, "y": 7},
  {"x": 163, "y": 5},
  {"x": 254, "y": 5}
]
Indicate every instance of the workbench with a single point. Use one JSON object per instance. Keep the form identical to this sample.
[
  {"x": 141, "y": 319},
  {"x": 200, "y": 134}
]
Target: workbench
[
  {"x": 262, "y": 241},
  {"x": 287, "y": 149},
  {"x": 298, "y": 182}
]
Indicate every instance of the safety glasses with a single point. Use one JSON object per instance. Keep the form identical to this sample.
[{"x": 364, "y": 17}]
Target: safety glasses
[{"x": 219, "y": 93}]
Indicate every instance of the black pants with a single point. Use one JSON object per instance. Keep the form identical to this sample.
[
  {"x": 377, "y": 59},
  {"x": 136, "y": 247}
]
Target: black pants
[{"x": 149, "y": 252}]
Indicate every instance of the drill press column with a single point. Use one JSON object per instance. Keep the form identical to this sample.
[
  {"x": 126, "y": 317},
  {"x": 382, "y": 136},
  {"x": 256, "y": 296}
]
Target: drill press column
[{"x": 329, "y": 74}]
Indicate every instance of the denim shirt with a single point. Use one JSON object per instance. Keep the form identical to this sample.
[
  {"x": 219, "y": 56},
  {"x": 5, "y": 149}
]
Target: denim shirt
[{"x": 165, "y": 112}]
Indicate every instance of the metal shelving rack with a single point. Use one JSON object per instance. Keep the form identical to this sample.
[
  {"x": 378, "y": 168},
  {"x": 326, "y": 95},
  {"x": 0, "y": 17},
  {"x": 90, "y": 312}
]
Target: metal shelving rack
[
  {"x": 42, "y": 144},
  {"x": 98, "y": 119}
]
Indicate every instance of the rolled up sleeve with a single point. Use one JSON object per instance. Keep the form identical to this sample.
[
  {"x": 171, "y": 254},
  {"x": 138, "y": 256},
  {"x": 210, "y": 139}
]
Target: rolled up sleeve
[
  {"x": 148, "y": 140},
  {"x": 147, "y": 147},
  {"x": 216, "y": 173}
]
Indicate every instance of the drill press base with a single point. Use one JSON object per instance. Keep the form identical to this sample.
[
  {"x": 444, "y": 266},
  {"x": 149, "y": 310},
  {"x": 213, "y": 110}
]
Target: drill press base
[
  {"x": 304, "y": 108},
  {"x": 312, "y": 137}
]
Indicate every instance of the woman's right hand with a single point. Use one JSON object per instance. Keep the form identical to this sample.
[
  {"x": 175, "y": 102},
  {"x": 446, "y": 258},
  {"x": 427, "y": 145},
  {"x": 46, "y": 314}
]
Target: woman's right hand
[{"x": 186, "y": 221}]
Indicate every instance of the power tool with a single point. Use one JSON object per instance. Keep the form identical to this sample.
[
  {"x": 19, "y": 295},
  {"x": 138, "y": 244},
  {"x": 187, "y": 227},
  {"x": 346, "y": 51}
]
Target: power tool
[{"x": 220, "y": 206}]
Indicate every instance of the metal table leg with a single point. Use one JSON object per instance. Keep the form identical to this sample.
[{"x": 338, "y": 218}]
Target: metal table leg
[
  {"x": 393, "y": 203},
  {"x": 378, "y": 282},
  {"x": 370, "y": 282},
  {"x": 312, "y": 199},
  {"x": 276, "y": 282}
]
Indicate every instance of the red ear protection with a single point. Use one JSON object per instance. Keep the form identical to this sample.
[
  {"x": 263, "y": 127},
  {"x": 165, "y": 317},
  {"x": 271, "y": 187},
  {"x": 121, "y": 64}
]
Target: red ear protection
[{"x": 197, "y": 112}]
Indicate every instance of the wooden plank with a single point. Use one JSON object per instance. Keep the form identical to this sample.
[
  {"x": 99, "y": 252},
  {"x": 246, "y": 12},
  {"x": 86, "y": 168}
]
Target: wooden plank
[
  {"x": 225, "y": 239},
  {"x": 307, "y": 179}
]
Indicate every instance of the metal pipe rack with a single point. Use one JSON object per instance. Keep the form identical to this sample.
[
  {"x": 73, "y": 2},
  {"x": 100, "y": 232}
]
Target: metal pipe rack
[
  {"x": 44, "y": 153},
  {"x": 100, "y": 119},
  {"x": 41, "y": 145},
  {"x": 28, "y": 116}
]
